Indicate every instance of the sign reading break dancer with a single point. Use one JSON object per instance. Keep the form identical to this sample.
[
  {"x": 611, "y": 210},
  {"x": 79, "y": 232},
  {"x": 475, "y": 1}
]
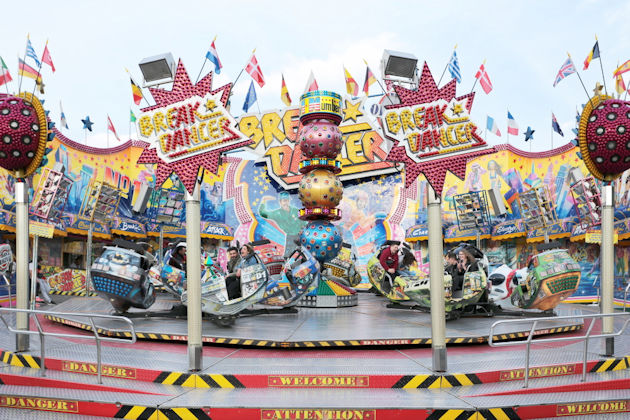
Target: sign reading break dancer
[
  {"x": 432, "y": 131},
  {"x": 188, "y": 127}
]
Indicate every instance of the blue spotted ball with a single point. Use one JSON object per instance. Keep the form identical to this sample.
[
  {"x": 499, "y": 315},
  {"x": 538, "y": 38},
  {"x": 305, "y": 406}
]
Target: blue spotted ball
[{"x": 322, "y": 239}]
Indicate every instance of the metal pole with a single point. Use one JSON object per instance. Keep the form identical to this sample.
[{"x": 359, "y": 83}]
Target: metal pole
[
  {"x": 193, "y": 278},
  {"x": 88, "y": 259},
  {"x": 607, "y": 264},
  {"x": 21, "y": 257},
  {"x": 161, "y": 245},
  {"x": 436, "y": 275},
  {"x": 34, "y": 272}
]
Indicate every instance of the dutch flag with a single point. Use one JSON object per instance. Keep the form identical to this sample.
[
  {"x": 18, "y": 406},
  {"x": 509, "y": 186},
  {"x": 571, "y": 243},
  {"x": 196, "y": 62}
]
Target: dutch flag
[{"x": 214, "y": 58}]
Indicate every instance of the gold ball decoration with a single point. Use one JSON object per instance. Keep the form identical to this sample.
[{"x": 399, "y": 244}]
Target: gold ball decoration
[{"x": 320, "y": 188}]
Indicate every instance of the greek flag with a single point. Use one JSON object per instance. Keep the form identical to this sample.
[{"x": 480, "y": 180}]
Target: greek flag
[
  {"x": 30, "y": 52},
  {"x": 453, "y": 68}
]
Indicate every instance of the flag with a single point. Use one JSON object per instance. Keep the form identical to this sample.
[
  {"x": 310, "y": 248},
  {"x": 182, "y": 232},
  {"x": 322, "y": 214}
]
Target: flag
[
  {"x": 512, "y": 126},
  {"x": 30, "y": 52},
  {"x": 622, "y": 69},
  {"x": 453, "y": 68},
  {"x": 214, "y": 58},
  {"x": 251, "y": 97},
  {"x": 47, "y": 59},
  {"x": 484, "y": 79},
  {"x": 110, "y": 127},
  {"x": 254, "y": 70},
  {"x": 284, "y": 93},
  {"x": 64, "y": 122},
  {"x": 135, "y": 91},
  {"x": 28, "y": 71},
  {"x": 620, "y": 86},
  {"x": 555, "y": 125},
  {"x": 369, "y": 79},
  {"x": 311, "y": 84},
  {"x": 567, "y": 68},
  {"x": 5, "y": 76},
  {"x": 492, "y": 126},
  {"x": 592, "y": 55},
  {"x": 351, "y": 85},
  {"x": 132, "y": 117}
]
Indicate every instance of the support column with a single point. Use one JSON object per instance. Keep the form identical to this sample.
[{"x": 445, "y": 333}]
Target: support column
[
  {"x": 607, "y": 264},
  {"x": 88, "y": 259},
  {"x": 193, "y": 278},
  {"x": 21, "y": 258},
  {"x": 436, "y": 276}
]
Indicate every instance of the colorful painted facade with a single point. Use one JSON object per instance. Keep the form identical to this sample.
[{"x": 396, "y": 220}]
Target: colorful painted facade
[{"x": 243, "y": 202}]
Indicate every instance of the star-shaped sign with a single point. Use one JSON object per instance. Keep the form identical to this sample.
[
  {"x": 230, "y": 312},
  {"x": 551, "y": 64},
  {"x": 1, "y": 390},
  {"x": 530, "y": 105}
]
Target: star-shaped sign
[
  {"x": 529, "y": 134},
  {"x": 87, "y": 124},
  {"x": 351, "y": 111},
  {"x": 435, "y": 149},
  {"x": 188, "y": 151}
]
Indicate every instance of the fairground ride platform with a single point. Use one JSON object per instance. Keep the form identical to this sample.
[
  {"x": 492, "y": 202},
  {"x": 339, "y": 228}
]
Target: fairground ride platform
[{"x": 369, "y": 324}]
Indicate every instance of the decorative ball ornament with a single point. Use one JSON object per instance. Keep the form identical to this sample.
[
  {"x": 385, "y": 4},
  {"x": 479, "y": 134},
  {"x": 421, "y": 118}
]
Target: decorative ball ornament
[
  {"x": 320, "y": 138},
  {"x": 604, "y": 137},
  {"x": 322, "y": 239},
  {"x": 320, "y": 188},
  {"x": 23, "y": 133}
]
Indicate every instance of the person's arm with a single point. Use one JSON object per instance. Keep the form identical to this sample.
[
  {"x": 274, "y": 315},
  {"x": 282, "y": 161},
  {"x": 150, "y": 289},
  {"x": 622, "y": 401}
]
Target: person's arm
[{"x": 383, "y": 258}]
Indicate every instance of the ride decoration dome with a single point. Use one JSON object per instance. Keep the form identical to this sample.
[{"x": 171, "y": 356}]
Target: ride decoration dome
[
  {"x": 320, "y": 190},
  {"x": 23, "y": 134},
  {"x": 604, "y": 137}
]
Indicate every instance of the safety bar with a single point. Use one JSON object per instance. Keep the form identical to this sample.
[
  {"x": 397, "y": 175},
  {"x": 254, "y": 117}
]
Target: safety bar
[
  {"x": 42, "y": 334},
  {"x": 535, "y": 322}
]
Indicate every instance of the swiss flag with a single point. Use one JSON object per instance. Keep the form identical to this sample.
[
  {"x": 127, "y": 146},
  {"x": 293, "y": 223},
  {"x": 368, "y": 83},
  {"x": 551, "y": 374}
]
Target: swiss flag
[{"x": 254, "y": 70}]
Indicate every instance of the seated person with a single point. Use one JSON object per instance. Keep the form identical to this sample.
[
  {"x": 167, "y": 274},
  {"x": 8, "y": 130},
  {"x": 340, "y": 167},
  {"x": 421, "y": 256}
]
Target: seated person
[
  {"x": 178, "y": 257},
  {"x": 232, "y": 280},
  {"x": 405, "y": 260},
  {"x": 389, "y": 261},
  {"x": 248, "y": 257},
  {"x": 465, "y": 263},
  {"x": 450, "y": 267}
]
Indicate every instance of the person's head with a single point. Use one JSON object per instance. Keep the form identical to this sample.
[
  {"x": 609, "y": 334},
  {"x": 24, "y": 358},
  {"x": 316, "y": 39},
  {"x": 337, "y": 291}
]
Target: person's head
[
  {"x": 181, "y": 250},
  {"x": 246, "y": 250},
  {"x": 232, "y": 252},
  {"x": 394, "y": 247},
  {"x": 451, "y": 258},
  {"x": 284, "y": 201},
  {"x": 362, "y": 199},
  {"x": 465, "y": 256}
]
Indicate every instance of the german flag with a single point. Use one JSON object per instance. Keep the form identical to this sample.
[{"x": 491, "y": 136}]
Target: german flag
[{"x": 28, "y": 71}]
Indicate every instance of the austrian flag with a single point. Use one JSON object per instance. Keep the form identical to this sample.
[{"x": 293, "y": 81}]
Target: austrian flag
[
  {"x": 484, "y": 79},
  {"x": 254, "y": 70}
]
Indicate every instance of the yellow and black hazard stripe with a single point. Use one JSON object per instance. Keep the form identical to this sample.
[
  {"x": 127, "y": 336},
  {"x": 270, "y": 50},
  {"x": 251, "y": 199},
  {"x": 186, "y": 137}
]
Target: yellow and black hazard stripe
[
  {"x": 607, "y": 365},
  {"x": 507, "y": 413},
  {"x": 418, "y": 381},
  {"x": 135, "y": 412},
  {"x": 453, "y": 415},
  {"x": 150, "y": 336},
  {"x": 22, "y": 360},
  {"x": 463, "y": 379},
  {"x": 465, "y": 340},
  {"x": 177, "y": 378},
  {"x": 218, "y": 381},
  {"x": 62, "y": 293}
]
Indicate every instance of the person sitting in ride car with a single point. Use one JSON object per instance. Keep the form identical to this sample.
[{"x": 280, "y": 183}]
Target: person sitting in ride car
[
  {"x": 389, "y": 261},
  {"x": 248, "y": 257},
  {"x": 178, "y": 258},
  {"x": 232, "y": 281}
]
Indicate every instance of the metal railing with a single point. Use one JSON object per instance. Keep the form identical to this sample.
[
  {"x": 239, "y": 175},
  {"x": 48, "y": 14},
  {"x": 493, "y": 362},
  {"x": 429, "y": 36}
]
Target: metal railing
[
  {"x": 7, "y": 284},
  {"x": 42, "y": 334},
  {"x": 532, "y": 331}
]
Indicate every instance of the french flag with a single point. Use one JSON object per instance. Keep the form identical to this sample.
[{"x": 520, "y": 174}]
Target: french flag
[
  {"x": 512, "y": 126},
  {"x": 493, "y": 127},
  {"x": 214, "y": 58}
]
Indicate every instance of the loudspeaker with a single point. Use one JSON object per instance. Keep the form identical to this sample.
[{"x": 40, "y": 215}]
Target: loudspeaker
[
  {"x": 497, "y": 201},
  {"x": 143, "y": 198}
]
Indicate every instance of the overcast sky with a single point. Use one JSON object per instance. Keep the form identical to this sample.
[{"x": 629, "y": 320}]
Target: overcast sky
[{"x": 524, "y": 44}]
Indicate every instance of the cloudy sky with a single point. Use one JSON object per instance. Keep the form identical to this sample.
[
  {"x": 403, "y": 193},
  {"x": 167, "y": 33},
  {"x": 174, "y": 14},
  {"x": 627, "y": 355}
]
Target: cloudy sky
[{"x": 524, "y": 44}]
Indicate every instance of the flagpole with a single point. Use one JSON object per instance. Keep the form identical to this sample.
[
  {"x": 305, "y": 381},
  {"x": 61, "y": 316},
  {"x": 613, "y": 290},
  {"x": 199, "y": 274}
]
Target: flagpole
[
  {"x": 601, "y": 66},
  {"x": 507, "y": 131},
  {"x": 239, "y": 75},
  {"x": 205, "y": 58},
  {"x": 20, "y": 73},
  {"x": 379, "y": 83},
  {"x": 552, "y": 130},
  {"x": 134, "y": 82},
  {"x": 445, "y": 67},
  {"x": 580, "y": 77},
  {"x": 108, "y": 131},
  {"x": 39, "y": 69}
]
